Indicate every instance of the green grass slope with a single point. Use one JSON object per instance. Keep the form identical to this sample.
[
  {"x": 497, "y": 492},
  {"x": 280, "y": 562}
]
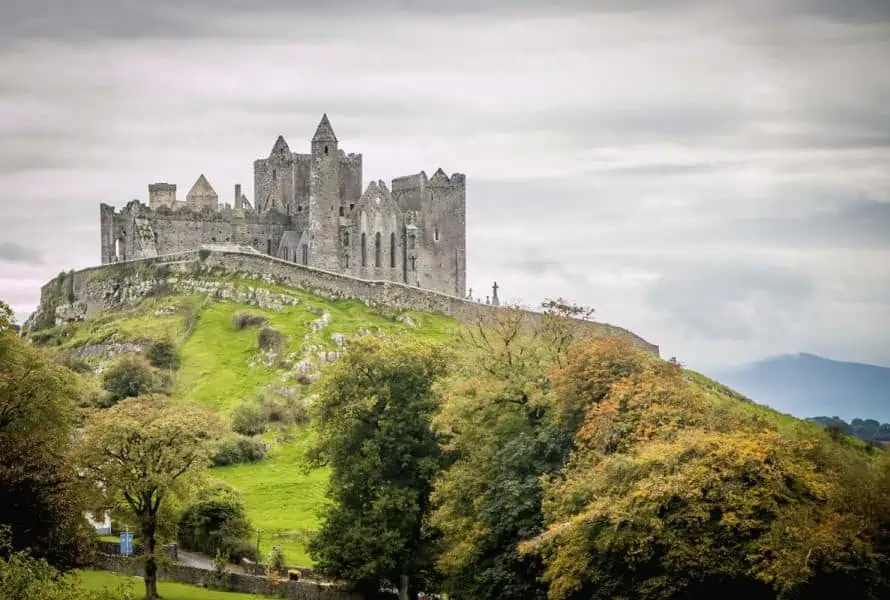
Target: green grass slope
[
  {"x": 222, "y": 365},
  {"x": 98, "y": 580}
]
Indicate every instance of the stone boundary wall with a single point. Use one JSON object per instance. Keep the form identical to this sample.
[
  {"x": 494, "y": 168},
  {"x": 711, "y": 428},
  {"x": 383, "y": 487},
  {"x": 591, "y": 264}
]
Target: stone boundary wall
[
  {"x": 234, "y": 582},
  {"x": 101, "y": 287}
]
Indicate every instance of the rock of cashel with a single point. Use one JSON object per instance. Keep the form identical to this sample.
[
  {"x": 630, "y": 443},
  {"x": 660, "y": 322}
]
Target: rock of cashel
[
  {"x": 311, "y": 209},
  {"x": 309, "y": 227}
]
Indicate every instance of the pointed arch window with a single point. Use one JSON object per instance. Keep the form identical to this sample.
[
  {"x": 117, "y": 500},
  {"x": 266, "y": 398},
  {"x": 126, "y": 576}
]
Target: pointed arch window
[
  {"x": 392, "y": 250},
  {"x": 345, "y": 239},
  {"x": 364, "y": 250},
  {"x": 305, "y": 254},
  {"x": 377, "y": 249}
]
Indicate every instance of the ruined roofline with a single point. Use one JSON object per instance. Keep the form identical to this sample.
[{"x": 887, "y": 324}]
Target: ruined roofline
[{"x": 453, "y": 306}]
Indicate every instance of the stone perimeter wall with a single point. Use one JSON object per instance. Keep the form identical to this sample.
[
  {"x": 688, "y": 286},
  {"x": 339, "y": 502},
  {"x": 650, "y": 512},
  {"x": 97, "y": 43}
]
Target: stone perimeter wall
[
  {"x": 234, "y": 582},
  {"x": 92, "y": 290}
]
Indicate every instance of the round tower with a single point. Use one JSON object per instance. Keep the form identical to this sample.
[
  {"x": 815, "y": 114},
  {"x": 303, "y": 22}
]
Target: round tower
[{"x": 324, "y": 194}]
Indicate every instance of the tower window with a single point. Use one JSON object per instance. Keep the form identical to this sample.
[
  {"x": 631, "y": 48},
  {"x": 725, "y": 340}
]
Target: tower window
[
  {"x": 325, "y": 149},
  {"x": 364, "y": 251},
  {"x": 274, "y": 175},
  {"x": 342, "y": 212},
  {"x": 377, "y": 249},
  {"x": 351, "y": 206},
  {"x": 305, "y": 254},
  {"x": 413, "y": 264},
  {"x": 392, "y": 251},
  {"x": 437, "y": 233},
  {"x": 346, "y": 239}
]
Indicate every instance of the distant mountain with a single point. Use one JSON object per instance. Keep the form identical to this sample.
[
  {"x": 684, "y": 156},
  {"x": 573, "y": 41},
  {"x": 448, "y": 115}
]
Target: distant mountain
[{"x": 806, "y": 385}]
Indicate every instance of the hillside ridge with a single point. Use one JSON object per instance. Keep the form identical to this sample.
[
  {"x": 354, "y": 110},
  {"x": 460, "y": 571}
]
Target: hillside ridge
[{"x": 79, "y": 295}]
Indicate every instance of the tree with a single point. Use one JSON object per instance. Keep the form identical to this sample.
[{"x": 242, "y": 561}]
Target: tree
[
  {"x": 142, "y": 453},
  {"x": 41, "y": 500},
  {"x": 216, "y": 523},
  {"x": 668, "y": 495},
  {"x": 373, "y": 418}
]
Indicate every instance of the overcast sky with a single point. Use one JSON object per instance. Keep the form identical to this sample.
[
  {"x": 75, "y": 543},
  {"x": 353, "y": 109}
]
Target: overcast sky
[{"x": 713, "y": 176}]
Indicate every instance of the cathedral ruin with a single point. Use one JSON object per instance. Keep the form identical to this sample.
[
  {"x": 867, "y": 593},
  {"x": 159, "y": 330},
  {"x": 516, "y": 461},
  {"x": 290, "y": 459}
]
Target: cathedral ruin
[{"x": 309, "y": 209}]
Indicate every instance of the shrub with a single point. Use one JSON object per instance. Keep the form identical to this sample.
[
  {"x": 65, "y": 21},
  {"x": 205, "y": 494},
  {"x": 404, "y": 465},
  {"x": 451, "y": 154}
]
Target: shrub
[
  {"x": 249, "y": 418},
  {"x": 74, "y": 362},
  {"x": 216, "y": 523},
  {"x": 243, "y": 320},
  {"x": 131, "y": 376},
  {"x": 285, "y": 410},
  {"x": 239, "y": 449},
  {"x": 270, "y": 338},
  {"x": 163, "y": 355}
]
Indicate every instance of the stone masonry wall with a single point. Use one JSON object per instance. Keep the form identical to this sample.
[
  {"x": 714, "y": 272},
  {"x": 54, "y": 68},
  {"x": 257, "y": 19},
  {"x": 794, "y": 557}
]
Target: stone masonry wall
[
  {"x": 97, "y": 288},
  {"x": 234, "y": 582}
]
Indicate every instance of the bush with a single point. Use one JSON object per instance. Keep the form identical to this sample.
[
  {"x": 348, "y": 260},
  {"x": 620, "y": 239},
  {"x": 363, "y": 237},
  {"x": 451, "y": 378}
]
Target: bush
[
  {"x": 239, "y": 449},
  {"x": 163, "y": 355},
  {"x": 131, "y": 376},
  {"x": 216, "y": 523},
  {"x": 243, "y": 320},
  {"x": 270, "y": 338},
  {"x": 73, "y": 362},
  {"x": 249, "y": 418},
  {"x": 285, "y": 410}
]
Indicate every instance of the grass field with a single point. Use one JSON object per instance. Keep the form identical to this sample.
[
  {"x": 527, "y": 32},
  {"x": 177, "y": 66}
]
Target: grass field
[
  {"x": 97, "y": 580},
  {"x": 281, "y": 499}
]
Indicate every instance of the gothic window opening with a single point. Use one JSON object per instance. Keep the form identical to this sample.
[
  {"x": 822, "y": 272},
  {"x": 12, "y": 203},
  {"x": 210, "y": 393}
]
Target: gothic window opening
[
  {"x": 325, "y": 149},
  {"x": 274, "y": 175},
  {"x": 437, "y": 233},
  {"x": 413, "y": 264},
  {"x": 377, "y": 249},
  {"x": 305, "y": 254},
  {"x": 346, "y": 239},
  {"x": 342, "y": 212},
  {"x": 364, "y": 251},
  {"x": 392, "y": 251},
  {"x": 347, "y": 261},
  {"x": 351, "y": 206},
  {"x": 268, "y": 246},
  {"x": 295, "y": 256}
]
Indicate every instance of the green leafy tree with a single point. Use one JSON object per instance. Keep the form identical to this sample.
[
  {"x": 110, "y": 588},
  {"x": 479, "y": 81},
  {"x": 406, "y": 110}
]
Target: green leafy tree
[
  {"x": 505, "y": 430},
  {"x": 144, "y": 452},
  {"x": 216, "y": 524},
  {"x": 249, "y": 418},
  {"x": 373, "y": 418},
  {"x": 41, "y": 499}
]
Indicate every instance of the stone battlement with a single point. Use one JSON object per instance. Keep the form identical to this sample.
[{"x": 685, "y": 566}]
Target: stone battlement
[{"x": 88, "y": 292}]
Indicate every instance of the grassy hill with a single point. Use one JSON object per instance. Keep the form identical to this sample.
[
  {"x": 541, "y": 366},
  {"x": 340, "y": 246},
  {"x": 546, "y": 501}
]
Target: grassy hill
[{"x": 222, "y": 365}]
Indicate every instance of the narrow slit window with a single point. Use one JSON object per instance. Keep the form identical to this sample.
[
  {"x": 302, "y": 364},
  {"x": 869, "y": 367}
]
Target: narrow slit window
[
  {"x": 377, "y": 249},
  {"x": 392, "y": 250}
]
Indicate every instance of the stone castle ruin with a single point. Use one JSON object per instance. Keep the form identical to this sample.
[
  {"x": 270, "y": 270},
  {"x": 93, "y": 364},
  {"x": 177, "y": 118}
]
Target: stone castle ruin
[{"x": 309, "y": 209}]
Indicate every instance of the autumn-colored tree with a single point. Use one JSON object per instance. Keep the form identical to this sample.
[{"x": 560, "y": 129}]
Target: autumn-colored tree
[
  {"x": 144, "y": 452},
  {"x": 41, "y": 500},
  {"x": 669, "y": 495},
  {"x": 504, "y": 430},
  {"x": 373, "y": 418}
]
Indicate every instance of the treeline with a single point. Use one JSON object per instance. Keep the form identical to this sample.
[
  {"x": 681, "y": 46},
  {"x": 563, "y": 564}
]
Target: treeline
[
  {"x": 865, "y": 429},
  {"x": 538, "y": 464}
]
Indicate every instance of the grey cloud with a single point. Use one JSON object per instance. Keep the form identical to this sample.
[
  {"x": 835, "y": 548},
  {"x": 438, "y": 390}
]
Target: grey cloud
[
  {"x": 732, "y": 301},
  {"x": 17, "y": 253}
]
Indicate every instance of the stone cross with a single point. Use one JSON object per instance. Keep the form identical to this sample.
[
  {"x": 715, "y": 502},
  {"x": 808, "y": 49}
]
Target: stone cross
[{"x": 494, "y": 294}]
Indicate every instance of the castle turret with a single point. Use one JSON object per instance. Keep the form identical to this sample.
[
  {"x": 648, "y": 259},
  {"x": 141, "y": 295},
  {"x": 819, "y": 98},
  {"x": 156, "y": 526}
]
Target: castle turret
[
  {"x": 161, "y": 194},
  {"x": 324, "y": 198}
]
